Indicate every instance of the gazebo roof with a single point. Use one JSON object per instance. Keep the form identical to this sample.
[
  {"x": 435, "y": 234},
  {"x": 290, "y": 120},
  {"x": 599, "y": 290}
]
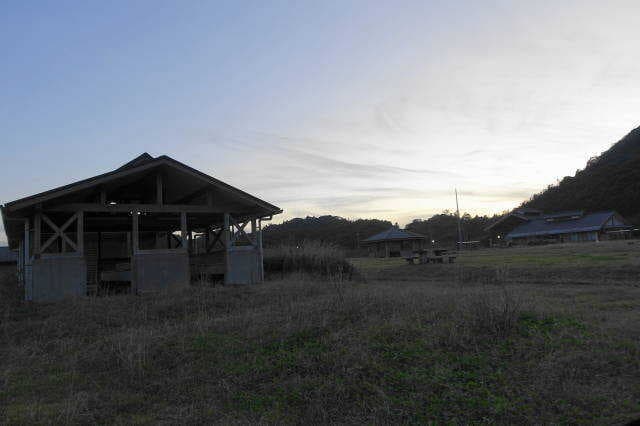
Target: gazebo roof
[{"x": 394, "y": 234}]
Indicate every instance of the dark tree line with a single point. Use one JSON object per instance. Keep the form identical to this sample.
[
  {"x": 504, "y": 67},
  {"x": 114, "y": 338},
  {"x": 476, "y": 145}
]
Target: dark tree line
[
  {"x": 610, "y": 181},
  {"x": 329, "y": 229},
  {"x": 346, "y": 233}
]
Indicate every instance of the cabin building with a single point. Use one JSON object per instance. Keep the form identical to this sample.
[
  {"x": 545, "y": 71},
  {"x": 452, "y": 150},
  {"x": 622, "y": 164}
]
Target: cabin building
[
  {"x": 528, "y": 226},
  {"x": 393, "y": 241},
  {"x": 154, "y": 224}
]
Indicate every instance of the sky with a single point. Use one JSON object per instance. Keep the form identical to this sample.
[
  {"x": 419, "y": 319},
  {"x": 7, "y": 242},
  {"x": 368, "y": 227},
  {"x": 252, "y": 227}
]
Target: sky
[{"x": 353, "y": 108}]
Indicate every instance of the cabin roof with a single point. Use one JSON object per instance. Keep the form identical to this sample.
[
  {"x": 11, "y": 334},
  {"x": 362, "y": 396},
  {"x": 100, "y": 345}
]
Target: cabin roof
[
  {"x": 546, "y": 225},
  {"x": 394, "y": 234},
  {"x": 565, "y": 214}
]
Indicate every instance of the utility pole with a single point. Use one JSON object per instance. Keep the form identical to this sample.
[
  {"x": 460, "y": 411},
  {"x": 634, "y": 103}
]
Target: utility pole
[{"x": 459, "y": 224}]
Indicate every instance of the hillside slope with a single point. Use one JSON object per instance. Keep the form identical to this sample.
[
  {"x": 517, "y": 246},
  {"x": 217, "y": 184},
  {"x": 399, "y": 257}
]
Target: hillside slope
[
  {"x": 609, "y": 181},
  {"x": 329, "y": 229}
]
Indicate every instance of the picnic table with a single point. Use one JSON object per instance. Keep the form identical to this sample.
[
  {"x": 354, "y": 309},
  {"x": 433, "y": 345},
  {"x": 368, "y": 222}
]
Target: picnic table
[{"x": 424, "y": 256}]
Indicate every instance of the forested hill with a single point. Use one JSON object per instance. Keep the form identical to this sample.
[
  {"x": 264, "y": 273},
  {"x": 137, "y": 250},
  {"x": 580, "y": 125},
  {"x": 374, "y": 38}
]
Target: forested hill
[
  {"x": 609, "y": 181},
  {"x": 332, "y": 229},
  {"x": 345, "y": 233}
]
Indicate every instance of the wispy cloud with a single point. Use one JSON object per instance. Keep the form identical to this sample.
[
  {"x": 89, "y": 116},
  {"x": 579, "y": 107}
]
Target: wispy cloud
[{"x": 352, "y": 168}]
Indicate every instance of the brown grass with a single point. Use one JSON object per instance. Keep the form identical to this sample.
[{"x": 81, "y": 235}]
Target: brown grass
[
  {"x": 309, "y": 257},
  {"x": 435, "y": 345}
]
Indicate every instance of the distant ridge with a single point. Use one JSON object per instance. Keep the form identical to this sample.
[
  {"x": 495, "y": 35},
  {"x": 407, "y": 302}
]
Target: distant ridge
[
  {"x": 610, "y": 181},
  {"x": 329, "y": 229}
]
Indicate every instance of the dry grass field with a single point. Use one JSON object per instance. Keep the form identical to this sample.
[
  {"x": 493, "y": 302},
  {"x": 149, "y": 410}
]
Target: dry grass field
[{"x": 519, "y": 336}]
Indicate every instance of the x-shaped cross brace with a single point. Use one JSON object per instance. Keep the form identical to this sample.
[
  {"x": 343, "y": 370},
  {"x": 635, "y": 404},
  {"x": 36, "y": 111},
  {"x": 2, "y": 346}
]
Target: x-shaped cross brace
[{"x": 59, "y": 232}]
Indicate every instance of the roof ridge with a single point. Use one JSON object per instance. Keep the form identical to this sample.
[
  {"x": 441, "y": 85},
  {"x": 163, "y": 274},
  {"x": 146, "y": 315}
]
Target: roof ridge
[{"x": 143, "y": 158}]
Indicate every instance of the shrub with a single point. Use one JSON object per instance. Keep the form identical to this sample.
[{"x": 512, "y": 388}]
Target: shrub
[{"x": 312, "y": 257}]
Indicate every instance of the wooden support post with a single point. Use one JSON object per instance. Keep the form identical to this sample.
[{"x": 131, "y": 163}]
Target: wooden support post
[
  {"x": 207, "y": 237},
  {"x": 26, "y": 273},
  {"x": 135, "y": 246},
  {"x": 227, "y": 248},
  {"x": 159, "y": 189},
  {"x": 80, "y": 233},
  {"x": 27, "y": 252},
  {"x": 210, "y": 198},
  {"x": 183, "y": 230},
  {"x": 37, "y": 232},
  {"x": 103, "y": 196},
  {"x": 254, "y": 229},
  {"x": 260, "y": 252},
  {"x": 21, "y": 262}
]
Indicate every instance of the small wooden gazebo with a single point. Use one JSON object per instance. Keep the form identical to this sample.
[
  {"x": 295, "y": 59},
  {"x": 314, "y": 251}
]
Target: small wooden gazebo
[{"x": 392, "y": 242}]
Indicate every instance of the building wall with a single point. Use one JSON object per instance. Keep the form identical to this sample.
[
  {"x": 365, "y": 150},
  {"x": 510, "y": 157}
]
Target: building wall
[
  {"x": 573, "y": 237},
  {"x": 57, "y": 277},
  {"x": 245, "y": 265},
  {"x": 577, "y": 237},
  {"x": 159, "y": 270}
]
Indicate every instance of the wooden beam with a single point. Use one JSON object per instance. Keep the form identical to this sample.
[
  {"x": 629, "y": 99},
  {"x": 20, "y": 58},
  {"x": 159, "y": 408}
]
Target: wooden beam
[
  {"x": 37, "y": 233},
  {"x": 240, "y": 231},
  {"x": 227, "y": 245},
  {"x": 260, "y": 251},
  {"x": 80, "y": 232},
  {"x": 128, "y": 208},
  {"x": 183, "y": 230},
  {"x": 134, "y": 233},
  {"x": 27, "y": 254},
  {"x": 212, "y": 242},
  {"x": 59, "y": 232},
  {"x": 26, "y": 263}
]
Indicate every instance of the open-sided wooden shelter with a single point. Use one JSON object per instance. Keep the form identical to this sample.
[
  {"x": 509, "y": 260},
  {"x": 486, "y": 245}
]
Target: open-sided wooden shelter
[
  {"x": 153, "y": 224},
  {"x": 392, "y": 242}
]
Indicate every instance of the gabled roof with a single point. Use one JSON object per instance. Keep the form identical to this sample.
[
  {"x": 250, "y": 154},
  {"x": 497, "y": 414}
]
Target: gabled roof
[
  {"x": 138, "y": 164},
  {"x": 505, "y": 218},
  {"x": 183, "y": 183},
  {"x": 141, "y": 159},
  {"x": 394, "y": 234},
  {"x": 585, "y": 223},
  {"x": 564, "y": 214}
]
